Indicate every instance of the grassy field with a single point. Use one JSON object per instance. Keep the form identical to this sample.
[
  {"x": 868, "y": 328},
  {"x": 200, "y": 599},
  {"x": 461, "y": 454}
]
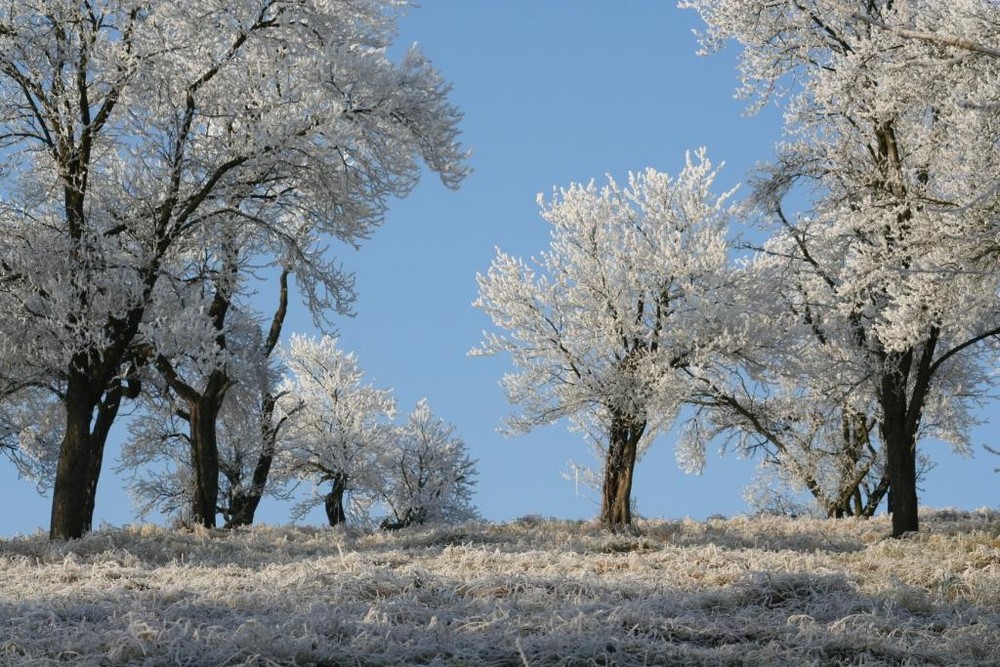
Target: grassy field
[{"x": 531, "y": 592}]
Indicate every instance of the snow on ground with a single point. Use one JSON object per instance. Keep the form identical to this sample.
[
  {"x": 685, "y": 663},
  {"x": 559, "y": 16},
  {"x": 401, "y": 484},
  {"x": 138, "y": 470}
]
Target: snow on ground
[{"x": 535, "y": 592}]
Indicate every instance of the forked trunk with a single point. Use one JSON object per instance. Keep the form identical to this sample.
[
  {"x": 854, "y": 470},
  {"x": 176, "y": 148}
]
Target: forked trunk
[
  {"x": 107, "y": 411},
  {"x": 619, "y": 465},
  {"x": 243, "y": 503}
]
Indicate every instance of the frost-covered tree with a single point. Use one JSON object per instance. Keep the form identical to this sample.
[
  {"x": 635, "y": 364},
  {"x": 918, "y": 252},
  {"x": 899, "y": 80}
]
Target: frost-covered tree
[
  {"x": 428, "y": 473},
  {"x": 135, "y": 133},
  {"x": 773, "y": 398},
  {"x": 166, "y": 450},
  {"x": 600, "y": 326},
  {"x": 893, "y": 256},
  {"x": 339, "y": 428},
  {"x": 804, "y": 442}
]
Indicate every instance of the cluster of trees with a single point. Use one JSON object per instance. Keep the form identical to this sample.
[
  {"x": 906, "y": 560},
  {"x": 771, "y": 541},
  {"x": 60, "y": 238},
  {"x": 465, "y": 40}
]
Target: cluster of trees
[
  {"x": 163, "y": 163},
  {"x": 320, "y": 424},
  {"x": 858, "y": 316},
  {"x": 160, "y": 160}
]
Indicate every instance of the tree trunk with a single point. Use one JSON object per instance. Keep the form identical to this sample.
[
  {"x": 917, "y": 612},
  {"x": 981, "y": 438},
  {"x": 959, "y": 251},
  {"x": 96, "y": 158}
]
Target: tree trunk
[
  {"x": 243, "y": 504},
  {"x": 73, "y": 484},
  {"x": 203, "y": 413},
  {"x": 107, "y": 411},
  {"x": 334, "y": 502},
  {"x": 623, "y": 447},
  {"x": 205, "y": 460},
  {"x": 901, "y": 469},
  {"x": 902, "y": 401},
  {"x": 899, "y": 439}
]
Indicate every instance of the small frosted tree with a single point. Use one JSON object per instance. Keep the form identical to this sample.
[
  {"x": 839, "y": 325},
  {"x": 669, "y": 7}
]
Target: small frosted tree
[
  {"x": 601, "y": 325},
  {"x": 429, "y": 476},
  {"x": 338, "y": 428}
]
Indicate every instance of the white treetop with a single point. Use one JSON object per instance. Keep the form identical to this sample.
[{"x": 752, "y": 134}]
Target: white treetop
[{"x": 599, "y": 320}]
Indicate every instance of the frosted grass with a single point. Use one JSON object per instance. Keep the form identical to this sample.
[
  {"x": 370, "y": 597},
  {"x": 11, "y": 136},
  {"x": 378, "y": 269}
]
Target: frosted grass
[{"x": 737, "y": 591}]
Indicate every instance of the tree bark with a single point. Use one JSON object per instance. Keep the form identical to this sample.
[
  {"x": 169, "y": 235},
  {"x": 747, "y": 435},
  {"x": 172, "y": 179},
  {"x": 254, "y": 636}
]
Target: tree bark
[
  {"x": 902, "y": 469},
  {"x": 205, "y": 459},
  {"x": 619, "y": 465},
  {"x": 901, "y": 458},
  {"x": 334, "y": 502},
  {"x": 905, "y": 384},
  {"x": 69, "y": 518}
]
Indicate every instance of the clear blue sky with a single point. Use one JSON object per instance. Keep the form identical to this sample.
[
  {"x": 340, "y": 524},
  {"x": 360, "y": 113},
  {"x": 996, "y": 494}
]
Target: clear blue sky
[{"x": 553, "y": 92}]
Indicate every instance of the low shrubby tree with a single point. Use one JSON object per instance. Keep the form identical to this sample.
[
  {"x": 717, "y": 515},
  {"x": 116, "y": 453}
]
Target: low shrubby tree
[
  {"x": 428, "y": 475},
  {"x": 338, "y": 434}
]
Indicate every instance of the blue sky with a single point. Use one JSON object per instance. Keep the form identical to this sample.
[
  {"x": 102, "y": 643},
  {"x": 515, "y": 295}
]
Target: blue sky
[{"x": 553, "y": 92}]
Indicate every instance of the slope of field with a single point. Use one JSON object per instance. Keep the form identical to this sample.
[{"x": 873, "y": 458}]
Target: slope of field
[{"x": 738, "y": 591}]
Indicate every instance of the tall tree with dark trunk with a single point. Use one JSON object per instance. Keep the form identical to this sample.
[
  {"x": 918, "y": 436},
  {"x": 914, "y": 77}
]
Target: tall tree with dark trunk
[
  {"x": 137, "y": 133},
  {"x": 620, "y": 303},
  {"x": 888, "y": 121}
]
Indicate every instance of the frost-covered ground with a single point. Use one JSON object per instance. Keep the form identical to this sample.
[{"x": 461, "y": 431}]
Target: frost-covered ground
[{"x": 738, "y": 591}]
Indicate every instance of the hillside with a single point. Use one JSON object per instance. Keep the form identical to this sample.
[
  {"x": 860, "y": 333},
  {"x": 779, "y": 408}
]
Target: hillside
[{"x": 737, "y": 591}]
